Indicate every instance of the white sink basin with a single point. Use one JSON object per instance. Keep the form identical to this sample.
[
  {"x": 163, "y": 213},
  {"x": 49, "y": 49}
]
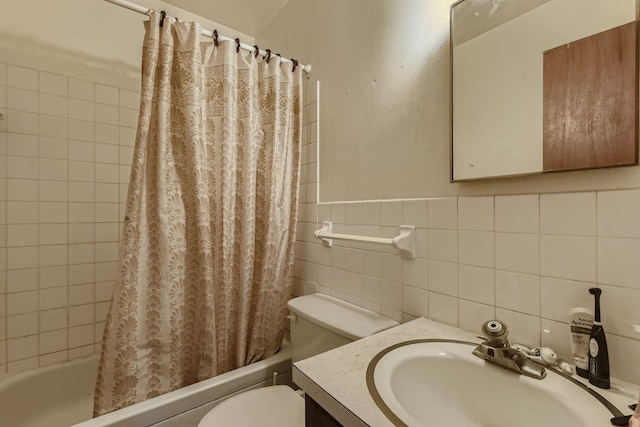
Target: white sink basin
[{"x": 440, "y": 383}]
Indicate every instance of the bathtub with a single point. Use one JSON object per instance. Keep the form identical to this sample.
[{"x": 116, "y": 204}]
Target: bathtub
[{"x": 62, "y": 395}]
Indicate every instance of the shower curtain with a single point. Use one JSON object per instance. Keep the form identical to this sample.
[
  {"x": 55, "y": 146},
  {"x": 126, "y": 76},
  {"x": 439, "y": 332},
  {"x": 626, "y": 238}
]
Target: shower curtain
[{"x": 207, "y": 247}]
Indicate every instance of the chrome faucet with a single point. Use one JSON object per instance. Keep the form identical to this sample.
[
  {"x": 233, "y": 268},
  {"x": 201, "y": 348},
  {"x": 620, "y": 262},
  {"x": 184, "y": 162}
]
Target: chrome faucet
[{"x": 496, "y": 349}]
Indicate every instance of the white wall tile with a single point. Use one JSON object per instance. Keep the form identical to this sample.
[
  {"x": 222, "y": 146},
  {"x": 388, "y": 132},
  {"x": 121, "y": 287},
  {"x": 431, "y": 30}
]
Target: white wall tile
[
  {"x": 476, "y": 284},
  {"x": 443, "y": 308},
  {"x": 81, "y": 110},
  {"x": 55, "y": 127},
  {"x": 618, "y": 262},
  {"x": 414, "y": 212},
  {"x": 475, "y": 213},
  {"x": 518, "y": 292},
  {"x": 623, "y": 357},
  {"x": 22, "y": 100},
  {"x": 21, "y": 122},
  {"x": 391, "y": 213},
  {"x": 22, "y": 144},
  {"x": 523, "y": 328},
  {"x": 443, "y": 245},
  {"x": 106, "y": 94},
  {"x": 620, "y": 310},
  {"x": 81, "y": 89},
  {"x": 52, "y": 191},
  {"x": 106, "y": 114},
  {"x": 22, "y": 212},
  {"x": 22, "y": 190},
  {"x": 22, "y": 348},
  {"x": 79, "y": 295},
  {"x": 53, "y": 169},
  {"x": 51, "y": 320},
  {"x": 518, "y": 252},
  {"x": 53, "y": 83},
  {"x": 517, "y": 214},
  {"x": 443, "y": 213},
  {"x": 415, "y": 272},
  {"x": 128, "y": 117},
  {"x": 80, "y": 336},
  {"x": 130, "y": 99},
  {"x": 106, "y": 153},
  {"x": 22, "y": 280},
  {"x": 415, "y": 301},
  {"x": 81, "y": 151},
  {"x": 22, "y": 302},
  {"x": 53, "y": 148},
  {"x": 53, "y": 105},
  {"x": 556, "y": 335},
  {"x": 370, "y": 213},
  {"x": 558, "y": 296},
  {"x": 18, "y": 258},
  {"x": 473, "y": 315},
  {"x": 52, "y": 298},
  {"x": 53, "y": 212},
  {"x": 390, "y": 267},
  {"x": 568, "y": 214},
  {"x": 476, "y": 248},
  {"x": 618, "y": 213},
  {"x": 53, "y": 277},
  {"x": 568, "y": 257},
  {"x": 82, "y": 130},
  {"x": 106, "y": 134},
  {"x": 52, "y": 255},
  {"x": 22, "y": 325},
  {"x": 22, "y": 167},
  {"x": 443, "y": 277},
  {"x": 353, "y": 210},
  {"x": 391, "y": 295},
  {"x": 51, "y": 342},
  {"x": 22, "y": 235},
  {"x": 23, "y": 78}
]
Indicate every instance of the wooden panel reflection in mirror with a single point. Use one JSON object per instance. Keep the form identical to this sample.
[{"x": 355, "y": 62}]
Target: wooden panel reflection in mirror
[{"x": 590, "y": 102}]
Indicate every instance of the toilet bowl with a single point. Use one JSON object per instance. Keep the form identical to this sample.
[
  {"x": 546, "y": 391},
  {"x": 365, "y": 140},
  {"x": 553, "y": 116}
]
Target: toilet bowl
[{"x": 318, "y": 323}]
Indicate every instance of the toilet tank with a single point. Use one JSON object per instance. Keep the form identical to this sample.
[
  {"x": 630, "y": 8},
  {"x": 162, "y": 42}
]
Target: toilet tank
[{"x": 320, "y": 323}]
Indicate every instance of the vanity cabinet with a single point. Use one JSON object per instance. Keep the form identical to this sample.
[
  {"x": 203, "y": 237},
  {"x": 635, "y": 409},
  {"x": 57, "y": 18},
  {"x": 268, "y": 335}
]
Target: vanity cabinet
[{"x": 316, "y": 416}]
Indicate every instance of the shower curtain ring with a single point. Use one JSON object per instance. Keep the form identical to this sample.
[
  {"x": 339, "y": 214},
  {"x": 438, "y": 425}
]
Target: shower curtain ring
[
  {"x": 215, "y": 37},
  {"x": 295, "y": 64},
  {"x": 267, "y": 57},
  {"x": 257, "y": 52},
  {"x": 237, "y": 45},
  {"x": 163, "y": 15}
]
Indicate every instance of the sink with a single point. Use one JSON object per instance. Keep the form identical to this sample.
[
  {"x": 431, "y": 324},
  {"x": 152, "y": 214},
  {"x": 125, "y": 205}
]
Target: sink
[{"x": 440, "y": 383}]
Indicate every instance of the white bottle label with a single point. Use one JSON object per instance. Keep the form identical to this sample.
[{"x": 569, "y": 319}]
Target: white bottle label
[{"x": 594, "y": 348}]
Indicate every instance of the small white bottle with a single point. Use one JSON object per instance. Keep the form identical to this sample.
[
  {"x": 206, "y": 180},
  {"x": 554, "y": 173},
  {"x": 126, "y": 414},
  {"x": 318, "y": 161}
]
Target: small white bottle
[{"x": 580, "y": 321}]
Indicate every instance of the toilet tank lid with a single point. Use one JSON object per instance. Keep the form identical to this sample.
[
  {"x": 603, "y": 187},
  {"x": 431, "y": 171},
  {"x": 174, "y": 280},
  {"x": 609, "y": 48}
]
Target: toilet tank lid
[{"x": 339, "y": 316}]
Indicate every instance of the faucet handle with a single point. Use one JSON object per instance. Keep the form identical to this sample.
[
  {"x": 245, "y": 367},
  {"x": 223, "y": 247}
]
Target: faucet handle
[{"x": 496, "y": 333}]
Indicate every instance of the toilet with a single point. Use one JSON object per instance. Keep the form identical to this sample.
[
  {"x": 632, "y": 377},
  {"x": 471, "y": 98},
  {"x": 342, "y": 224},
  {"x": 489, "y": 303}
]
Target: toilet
[{"x": 318, "y": 323}]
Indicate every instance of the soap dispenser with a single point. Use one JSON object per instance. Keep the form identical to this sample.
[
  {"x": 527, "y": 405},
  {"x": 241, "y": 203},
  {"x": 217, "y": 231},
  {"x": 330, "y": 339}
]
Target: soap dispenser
[{"x": 598, "y": 352}]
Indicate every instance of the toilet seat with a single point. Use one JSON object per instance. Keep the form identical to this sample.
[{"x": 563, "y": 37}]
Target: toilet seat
[{"x": 276, "y": 406}]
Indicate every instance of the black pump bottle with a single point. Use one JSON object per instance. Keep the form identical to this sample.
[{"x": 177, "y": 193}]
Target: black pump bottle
[{"x": 598, "y": 352}]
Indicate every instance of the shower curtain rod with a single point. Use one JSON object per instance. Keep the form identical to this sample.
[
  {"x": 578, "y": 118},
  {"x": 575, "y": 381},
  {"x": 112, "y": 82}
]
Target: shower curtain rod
[{"x": 144, "y": 11}]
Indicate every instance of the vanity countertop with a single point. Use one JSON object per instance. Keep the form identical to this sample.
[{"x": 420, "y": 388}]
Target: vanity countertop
[{"x": 337, "y": 379}]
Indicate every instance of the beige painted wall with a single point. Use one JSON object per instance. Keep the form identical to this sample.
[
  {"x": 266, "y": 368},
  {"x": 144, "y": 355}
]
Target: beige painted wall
[
  {"x": 85, "y": 39},
  {"x": 384, "y": 132}
]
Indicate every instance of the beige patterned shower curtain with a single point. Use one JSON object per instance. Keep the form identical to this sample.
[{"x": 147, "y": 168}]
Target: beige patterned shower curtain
[{"x": 207, "y": 248}]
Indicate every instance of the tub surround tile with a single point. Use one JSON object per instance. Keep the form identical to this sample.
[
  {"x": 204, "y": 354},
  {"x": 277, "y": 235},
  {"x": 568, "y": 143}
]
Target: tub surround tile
[{"x": 518, "y": 292}]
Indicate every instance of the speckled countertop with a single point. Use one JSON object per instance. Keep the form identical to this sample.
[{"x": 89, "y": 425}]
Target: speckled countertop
[{"x": 337, "y": 379}]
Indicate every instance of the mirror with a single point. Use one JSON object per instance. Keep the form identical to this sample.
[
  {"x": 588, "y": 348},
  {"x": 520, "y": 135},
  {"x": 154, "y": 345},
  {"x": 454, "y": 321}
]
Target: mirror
[{"x": 543, "y": 86}]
